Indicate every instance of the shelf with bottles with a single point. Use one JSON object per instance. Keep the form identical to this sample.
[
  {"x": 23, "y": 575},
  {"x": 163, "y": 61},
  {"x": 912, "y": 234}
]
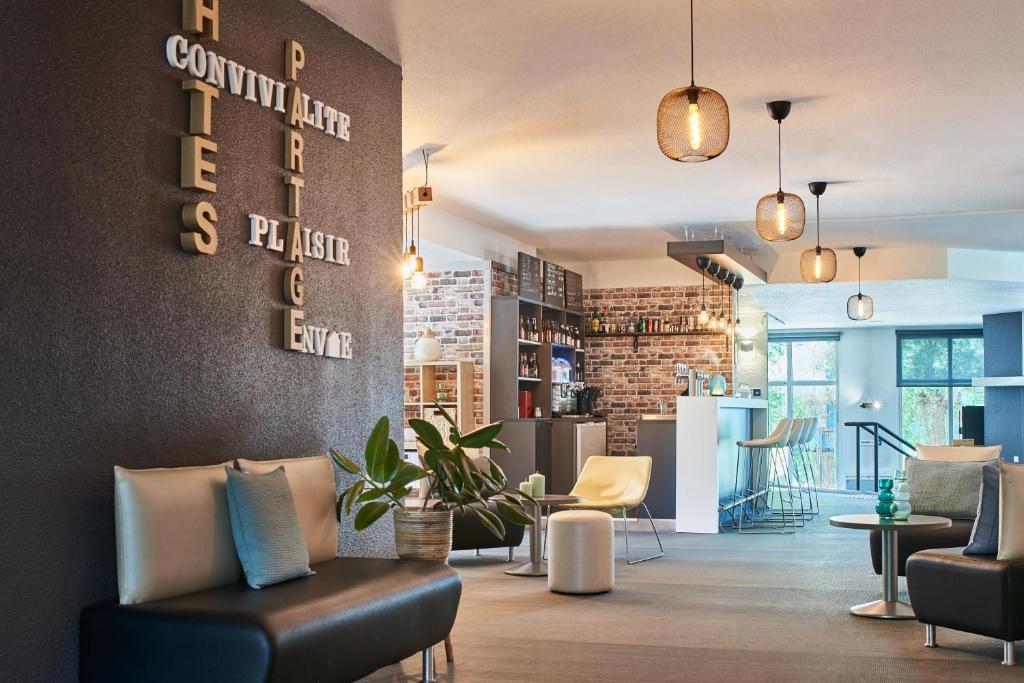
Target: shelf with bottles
[{"x": 550, "y": 328}]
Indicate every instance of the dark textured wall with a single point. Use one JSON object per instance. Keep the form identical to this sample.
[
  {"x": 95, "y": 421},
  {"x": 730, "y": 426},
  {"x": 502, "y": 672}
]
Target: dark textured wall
[{"x": 119, "y": 348}]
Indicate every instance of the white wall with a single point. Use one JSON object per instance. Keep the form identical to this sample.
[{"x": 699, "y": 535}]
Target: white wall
[{"x": 867, "y": 372}]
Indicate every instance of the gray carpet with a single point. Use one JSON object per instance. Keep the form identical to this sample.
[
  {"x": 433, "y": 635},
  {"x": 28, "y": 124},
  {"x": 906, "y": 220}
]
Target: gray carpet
[{"x": 716, "y": 607}]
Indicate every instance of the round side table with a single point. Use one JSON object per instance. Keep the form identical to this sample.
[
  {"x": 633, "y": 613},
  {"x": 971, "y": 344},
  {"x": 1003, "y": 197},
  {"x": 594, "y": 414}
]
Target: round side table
[
  {"x": 537, "y": 566},
  {"x": 890, "y": 606}
]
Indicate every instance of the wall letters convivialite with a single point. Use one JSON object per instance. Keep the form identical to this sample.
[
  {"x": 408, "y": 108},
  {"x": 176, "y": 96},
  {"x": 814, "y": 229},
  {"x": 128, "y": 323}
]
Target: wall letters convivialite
[{"x": 208, "y": 74}]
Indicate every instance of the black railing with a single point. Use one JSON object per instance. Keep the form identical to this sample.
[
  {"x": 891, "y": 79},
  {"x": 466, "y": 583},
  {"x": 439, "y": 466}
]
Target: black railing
[{"x": 883, "y": 436}]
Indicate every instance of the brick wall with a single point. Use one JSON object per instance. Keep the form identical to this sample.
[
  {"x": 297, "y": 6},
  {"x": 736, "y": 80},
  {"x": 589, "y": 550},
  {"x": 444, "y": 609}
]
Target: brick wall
[
  {"x": 503, "y": 283},
  {"x": 452, "y": 305},
  {"x": 633, "y": 383}
]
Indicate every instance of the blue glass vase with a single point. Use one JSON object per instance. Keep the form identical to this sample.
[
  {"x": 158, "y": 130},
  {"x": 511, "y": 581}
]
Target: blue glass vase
[{"x": 885, "y": 507}]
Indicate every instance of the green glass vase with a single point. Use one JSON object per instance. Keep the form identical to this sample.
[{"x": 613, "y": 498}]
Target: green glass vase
[{"x": 885, "y": 507}]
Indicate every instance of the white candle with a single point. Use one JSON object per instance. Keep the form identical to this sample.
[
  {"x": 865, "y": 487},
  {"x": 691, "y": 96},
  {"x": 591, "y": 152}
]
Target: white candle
[
  {"x": 537, "y": 484},
  {"x": 526, "y": 487}
]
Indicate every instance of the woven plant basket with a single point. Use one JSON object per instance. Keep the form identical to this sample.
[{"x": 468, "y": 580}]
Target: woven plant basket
[{"x": 423, "y": 534}]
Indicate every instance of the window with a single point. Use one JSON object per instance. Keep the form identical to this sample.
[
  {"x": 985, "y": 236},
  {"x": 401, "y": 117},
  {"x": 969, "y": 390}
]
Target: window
[
  {"x": 802, "y": 373},
  {"x": 934, "y": 371}
]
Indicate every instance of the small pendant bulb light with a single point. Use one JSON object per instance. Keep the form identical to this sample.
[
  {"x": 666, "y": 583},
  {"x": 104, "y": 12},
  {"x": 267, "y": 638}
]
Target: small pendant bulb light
[
  {"x": 737, "y": 285},
  {"x": 419, "y": 279},
  {"x": 818, "y": 264},
  {"x": 702, "y": 263},
  {"x": 693, "y": 122},
  {"x": 780, "y": 215},
  {"x": 860, "y": 306}
]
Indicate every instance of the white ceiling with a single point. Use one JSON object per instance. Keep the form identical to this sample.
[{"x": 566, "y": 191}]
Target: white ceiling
[
  {"x": 546, "y": 110},
  {"x": 896, "y": 302}
]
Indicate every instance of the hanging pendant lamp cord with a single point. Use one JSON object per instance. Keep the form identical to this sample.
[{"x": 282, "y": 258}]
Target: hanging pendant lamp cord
[
  {"x": 426, "y": 168},
  {"x": 858, "y": 277},
  {"x": 780, "y": 156},
  {"x": 691, "y": 44},
  {"x": 817, "y": 218}
]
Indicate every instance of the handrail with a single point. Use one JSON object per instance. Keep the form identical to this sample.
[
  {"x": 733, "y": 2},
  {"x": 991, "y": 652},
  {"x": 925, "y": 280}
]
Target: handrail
[
  {"x": 873, "y": 429},
  {"x": 886, "y": 430}
]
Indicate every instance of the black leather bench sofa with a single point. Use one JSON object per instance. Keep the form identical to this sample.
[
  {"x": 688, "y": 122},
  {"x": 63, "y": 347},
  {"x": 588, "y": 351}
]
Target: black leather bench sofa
[
  {"x": 469, "y": 534},
  {"x": 351, "y": 618}
]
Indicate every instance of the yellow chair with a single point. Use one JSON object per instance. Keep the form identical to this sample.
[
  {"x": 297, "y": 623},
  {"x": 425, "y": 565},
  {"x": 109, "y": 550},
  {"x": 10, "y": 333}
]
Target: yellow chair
[{"x": 616, "y": 483}]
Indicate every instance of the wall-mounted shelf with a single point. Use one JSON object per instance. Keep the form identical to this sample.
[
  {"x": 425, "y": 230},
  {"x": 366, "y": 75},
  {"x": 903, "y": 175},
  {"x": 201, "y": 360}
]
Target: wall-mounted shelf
[{"x": 636, "y": 335}]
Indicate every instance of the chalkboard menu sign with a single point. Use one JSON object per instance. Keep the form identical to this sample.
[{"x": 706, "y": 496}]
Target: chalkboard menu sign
[
  {"x": 554, "y": 284},
  {"x": 573, "y": 292},
  {"x": 529, "y": 277}
]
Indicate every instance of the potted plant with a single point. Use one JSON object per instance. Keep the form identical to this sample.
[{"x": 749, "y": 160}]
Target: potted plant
[{"x": 423, "y": 529}]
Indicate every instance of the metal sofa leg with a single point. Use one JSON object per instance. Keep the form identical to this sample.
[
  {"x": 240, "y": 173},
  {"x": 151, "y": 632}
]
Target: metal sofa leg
[
  {"x": 511, "y": 554},
  {"x": 476, "y": 552},
  {"x": 428, "y": 665},
  {"x": 929, "y": 636},
  {"x": 1009, "y": 656}
]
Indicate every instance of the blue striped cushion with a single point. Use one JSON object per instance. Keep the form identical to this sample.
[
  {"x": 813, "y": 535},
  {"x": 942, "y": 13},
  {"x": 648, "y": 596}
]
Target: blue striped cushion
[{"x": 266, "y": 528}]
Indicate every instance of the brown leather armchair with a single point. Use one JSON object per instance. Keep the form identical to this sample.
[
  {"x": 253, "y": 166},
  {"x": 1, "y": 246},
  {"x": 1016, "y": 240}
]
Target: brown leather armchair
[
  {"x": 469, "y": 534},
  {"x": 972, "y": 593},
  {"x": 912, "y": 540}
]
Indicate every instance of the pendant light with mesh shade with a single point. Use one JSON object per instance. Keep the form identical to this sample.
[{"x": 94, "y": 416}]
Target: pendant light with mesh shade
[
  {"x": 860, "y": 306},
  {"x": 818, "y": 264},
  {"x": 780, "y": 215},
  {"x": 693, "y": 122}
]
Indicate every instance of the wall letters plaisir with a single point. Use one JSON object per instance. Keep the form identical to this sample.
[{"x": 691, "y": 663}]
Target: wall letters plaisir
[{"x": 207, "y": 75}]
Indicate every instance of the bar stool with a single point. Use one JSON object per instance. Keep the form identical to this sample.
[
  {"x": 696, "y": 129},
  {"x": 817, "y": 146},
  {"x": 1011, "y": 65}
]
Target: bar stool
[
  {"x": 810, "y": 430},
  {"x": 761, "y": 474},
  {"x": 787, "y": 469},
  {"x": 797, "y": 462}
]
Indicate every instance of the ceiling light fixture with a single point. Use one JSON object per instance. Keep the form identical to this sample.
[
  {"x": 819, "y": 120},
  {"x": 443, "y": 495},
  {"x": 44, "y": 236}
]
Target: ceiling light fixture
[
  {"x": 860, "y": 306},
  {"x": 703, "y": 262},
  {"x": 415, "y": 200},
  {"x": 693, "y": 122},
  {"x": 818, "y": 264},
  {"x": 780, "y": 215}
]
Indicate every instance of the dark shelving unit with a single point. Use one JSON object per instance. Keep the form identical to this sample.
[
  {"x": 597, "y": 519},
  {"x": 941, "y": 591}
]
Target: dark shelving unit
[{"x": 636, "y": 335}]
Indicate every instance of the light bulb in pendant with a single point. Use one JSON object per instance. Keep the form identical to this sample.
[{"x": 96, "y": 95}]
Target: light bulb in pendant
[
  {"x": 407, "y": 269},
  {"x": 860, "y": 306},
  {"x": 695, "y": 126},
  {"x": 817, "y": 266},
  {"x": 419, "y": 281},
  {"x": 702, "y": 318},
  {"x": 780, "y": 217}
]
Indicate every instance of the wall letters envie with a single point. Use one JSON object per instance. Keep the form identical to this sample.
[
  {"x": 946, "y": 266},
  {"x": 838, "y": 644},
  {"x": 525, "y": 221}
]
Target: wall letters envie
[{"x": 210, "y": 74}]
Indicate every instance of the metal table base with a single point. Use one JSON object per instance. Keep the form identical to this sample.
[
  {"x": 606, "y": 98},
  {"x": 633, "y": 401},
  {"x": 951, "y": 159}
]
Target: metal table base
[{"x": 890, "y": 606}]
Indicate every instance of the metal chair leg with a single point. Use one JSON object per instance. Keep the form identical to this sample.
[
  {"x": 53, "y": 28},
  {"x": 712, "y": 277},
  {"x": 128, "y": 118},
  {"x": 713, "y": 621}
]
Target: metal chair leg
[
  {"x": 511, "y": 554},
  {"x": 929, "y": 636},
  {"x": 449, "y": 651},
  {"x": 661, "y": 548},
  {"x": 428, "y": 666},
  {"x": 1009, "y": 656}
]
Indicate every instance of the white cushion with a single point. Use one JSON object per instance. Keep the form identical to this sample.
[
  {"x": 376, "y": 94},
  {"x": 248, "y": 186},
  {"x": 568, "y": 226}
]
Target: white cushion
[
  {"x": 959, "y": 453},
  {"x": 312, "y": 483},
  {"x": 173, "y": 532}
]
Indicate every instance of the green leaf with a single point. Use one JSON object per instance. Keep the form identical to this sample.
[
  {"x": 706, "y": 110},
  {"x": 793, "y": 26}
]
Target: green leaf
[
  {"x": 391, "y": 462},
  {"x": 428, "y": 434},
  {"x": 369, "y": 495},
  {"x": 351, "y": 495},
  {"x": 407, "y": 473},
  {"x": 370, "y": 513},
  {"x": 497, "y": 475},
  {"x": 344, "y": 463},
  {"x": 376, "y": 450},
  {"x": 496, "y": 445},
  {"x": 491, "y": 521},
  {"x": 514, "y": 513},
  {"x": 479, "y": 438}
]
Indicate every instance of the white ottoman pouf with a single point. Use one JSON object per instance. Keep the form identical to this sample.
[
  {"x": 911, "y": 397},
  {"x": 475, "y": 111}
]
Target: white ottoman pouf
[{"x": 581, "y": 552}]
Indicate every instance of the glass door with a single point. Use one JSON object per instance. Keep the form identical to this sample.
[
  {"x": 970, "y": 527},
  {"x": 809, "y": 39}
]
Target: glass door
[{"x": 802, "y": 382}]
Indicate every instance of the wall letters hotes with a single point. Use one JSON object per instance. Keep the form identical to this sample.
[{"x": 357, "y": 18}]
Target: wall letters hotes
[{"x": 208, "y": 74}]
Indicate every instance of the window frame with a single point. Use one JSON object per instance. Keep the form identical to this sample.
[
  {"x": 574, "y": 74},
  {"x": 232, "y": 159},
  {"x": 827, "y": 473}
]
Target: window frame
[{"x": 949, "y": 383}]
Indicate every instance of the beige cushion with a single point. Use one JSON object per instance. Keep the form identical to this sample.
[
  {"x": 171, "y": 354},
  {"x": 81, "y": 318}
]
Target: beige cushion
[
  {"x": 173, "y": 532},
  {"x": 959, "y": 453},
  {"x": 312, "y": 483},
  {"x": 1011, "y": 512}
]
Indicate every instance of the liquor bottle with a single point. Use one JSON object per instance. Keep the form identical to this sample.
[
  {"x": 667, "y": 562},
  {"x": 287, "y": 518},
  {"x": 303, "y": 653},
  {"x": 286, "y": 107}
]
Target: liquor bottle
[
  {"x": 595, "y": 321},
  {"x": 522, "y": 328},
  {"x": 522, "y": 365}
]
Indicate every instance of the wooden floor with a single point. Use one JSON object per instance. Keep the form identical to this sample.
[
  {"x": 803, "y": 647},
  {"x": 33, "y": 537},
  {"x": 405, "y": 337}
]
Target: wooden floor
[{"x": 716, "y": 607}]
